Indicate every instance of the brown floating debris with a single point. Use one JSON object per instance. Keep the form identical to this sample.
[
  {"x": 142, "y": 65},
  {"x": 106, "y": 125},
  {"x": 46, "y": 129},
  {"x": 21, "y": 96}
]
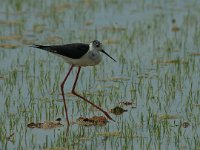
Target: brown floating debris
[
  {"x": 93, "y": 121},
  {"x": 118, "y": 110},
  {"x": 11, "y": 37},
  {"x": 127, "y": 103},
  {"x": 111, "y": 41},
  {"x": 182, "y": 124},
  {"x": 46, "y": 124},
  {"x": 11, "y": 46},
  {"x": 39, "y": 28},
  {"x": 185, "y": 124},
  {"x": 175, "y": 28},
  {"x": 88, "y": 23},
  {"x": 11, "y": 22},
  {"x": 173, "y": 61},
  {"x": 53, "y": 39},
  {"x": 195, "y": 54},
  {"x": 168, "y": 116}
]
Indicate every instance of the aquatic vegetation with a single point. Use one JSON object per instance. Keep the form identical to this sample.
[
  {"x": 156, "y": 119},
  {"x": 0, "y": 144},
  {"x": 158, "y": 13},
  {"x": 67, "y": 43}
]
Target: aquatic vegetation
[{"x": 155, "y": 82}]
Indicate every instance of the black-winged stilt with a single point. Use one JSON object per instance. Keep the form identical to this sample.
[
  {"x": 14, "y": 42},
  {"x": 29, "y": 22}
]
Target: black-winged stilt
[{"x": 80, "y": 55}]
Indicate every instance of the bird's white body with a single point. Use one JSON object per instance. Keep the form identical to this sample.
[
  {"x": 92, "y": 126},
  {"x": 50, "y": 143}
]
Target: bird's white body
[{"x": 91, "y": 58}]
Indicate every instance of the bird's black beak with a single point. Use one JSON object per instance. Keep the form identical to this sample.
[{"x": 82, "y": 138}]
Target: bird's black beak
[{"x": 108, "y": 55}]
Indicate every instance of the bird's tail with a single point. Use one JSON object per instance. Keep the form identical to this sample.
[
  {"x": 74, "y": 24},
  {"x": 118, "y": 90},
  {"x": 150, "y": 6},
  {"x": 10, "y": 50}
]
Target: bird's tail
[
  {"x": 39, "y": 46},
  {"x": 47, "y": 48}
]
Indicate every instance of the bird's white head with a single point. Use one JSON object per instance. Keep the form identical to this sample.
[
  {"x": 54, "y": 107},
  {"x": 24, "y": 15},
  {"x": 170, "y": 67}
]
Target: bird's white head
[{"x": 98, "y": 46}]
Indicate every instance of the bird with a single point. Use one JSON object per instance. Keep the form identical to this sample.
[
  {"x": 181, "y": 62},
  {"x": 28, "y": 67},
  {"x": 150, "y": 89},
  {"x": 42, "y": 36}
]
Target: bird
[{"x": 78, "y": 55}]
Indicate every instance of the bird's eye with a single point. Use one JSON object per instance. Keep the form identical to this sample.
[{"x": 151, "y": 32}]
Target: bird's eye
[{"x": 96, "y": 43}]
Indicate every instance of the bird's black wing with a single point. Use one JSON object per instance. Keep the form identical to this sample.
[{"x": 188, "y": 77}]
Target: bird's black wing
[{"x": 74, "y": 50}]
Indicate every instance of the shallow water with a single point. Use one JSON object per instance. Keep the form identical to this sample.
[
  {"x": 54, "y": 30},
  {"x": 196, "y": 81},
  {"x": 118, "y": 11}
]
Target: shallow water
[{"x": 157, "y": 68}]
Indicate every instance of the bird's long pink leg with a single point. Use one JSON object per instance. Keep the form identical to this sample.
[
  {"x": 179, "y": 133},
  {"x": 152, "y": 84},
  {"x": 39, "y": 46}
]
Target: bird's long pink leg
[
  {"x": 74, "y": 92},
  {"x": 63, "y": 94}
]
